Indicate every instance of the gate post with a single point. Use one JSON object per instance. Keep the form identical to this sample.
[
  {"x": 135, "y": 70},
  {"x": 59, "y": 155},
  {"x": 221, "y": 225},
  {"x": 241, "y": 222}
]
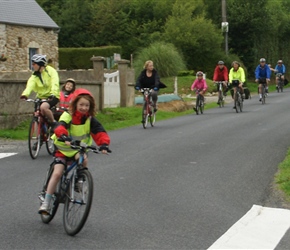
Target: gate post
[
  {"x": 123, "y": 66},
  {"x": 98, "y": 69}
]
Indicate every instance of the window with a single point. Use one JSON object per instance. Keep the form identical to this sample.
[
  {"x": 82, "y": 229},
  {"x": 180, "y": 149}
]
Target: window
[{"x": 32, "y": 51}]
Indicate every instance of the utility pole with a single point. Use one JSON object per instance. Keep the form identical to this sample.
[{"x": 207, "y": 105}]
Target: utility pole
[{"x": 225, "y": 25}]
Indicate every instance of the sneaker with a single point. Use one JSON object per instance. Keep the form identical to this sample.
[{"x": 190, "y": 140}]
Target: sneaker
[
  {"x": 155, "y": 110},
  {"x": 260, "y": 99},
  {"x": 267, "y": 91},
  {"x": 234, "y": 107},
  {"x": 44, "y": 209},
  {"x": 218, "y": 103},
  {"x": 225, "y": 93},
  {"x": 52, "y": 127}
]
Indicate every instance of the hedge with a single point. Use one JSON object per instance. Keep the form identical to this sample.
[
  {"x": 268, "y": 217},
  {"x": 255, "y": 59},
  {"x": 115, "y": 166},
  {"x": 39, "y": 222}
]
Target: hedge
[{"x": 79, "y": 58}]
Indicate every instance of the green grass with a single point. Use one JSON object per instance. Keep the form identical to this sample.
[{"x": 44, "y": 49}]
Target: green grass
[{"x": 282, "y": 178}]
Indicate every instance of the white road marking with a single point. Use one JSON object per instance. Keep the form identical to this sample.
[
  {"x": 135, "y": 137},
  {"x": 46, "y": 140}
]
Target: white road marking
[
  {"x": 3, "y": 155},
  {"x": 260, "y": 228}
]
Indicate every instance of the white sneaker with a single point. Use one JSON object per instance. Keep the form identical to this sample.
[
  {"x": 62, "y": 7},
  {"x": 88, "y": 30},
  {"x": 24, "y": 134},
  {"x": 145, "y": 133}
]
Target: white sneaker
[{"x": 44, "y": 209}]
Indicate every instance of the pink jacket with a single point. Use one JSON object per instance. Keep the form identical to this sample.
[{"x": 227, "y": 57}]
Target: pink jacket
[{"x": 199, "y": 84}]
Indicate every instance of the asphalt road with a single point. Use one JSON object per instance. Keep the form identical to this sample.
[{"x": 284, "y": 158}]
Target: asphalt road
[{"x": 179, "y": 185}]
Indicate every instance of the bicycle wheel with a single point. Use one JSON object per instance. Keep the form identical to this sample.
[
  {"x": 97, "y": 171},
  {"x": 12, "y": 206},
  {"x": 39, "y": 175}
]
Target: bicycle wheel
[
  {"x": 76, "y": 211},
  {"x": 201, "y": 106},
  {"x": 237, "y": 105},
  {"x": 144, "y": 116},
  {"x": 220, "y": 101},
  {"x": 152, "y": 116},
  {"x": 197, "y": 105},
  {"x": 240, "y": 100},
  {"x": 46, "y": 218},
  {"x": 263, "y": 96},
  {"x": 49, "y": 142},
  {"x": 34, "y": 138}
]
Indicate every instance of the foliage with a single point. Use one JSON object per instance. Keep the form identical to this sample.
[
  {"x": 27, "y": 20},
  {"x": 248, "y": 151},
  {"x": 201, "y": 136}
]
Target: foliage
[
  {"x": 79, "y": 58},
  {"x": 167, "y": 60}
]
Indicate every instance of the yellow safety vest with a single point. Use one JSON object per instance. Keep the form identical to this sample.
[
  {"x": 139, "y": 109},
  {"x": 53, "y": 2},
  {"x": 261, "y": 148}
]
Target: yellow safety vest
[{"x": 76, "y": 132}]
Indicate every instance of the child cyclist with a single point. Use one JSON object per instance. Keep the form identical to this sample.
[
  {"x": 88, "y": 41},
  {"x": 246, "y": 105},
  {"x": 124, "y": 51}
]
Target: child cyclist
[
  {"x": 66, "y": 95},
  {"x": 199, "y": 85},
  {"x": 78, "y": 122}
]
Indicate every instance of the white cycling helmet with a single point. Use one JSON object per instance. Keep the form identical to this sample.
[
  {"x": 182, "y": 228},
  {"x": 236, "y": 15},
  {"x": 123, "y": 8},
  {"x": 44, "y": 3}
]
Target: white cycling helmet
[{"x": 39, "y": 59}]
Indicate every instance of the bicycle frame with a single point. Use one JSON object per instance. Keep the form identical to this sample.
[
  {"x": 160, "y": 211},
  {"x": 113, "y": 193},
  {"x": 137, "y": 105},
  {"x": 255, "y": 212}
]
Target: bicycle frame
[
  {"x": 147, "y": 111},
  {"x": 220, "y": 93},
  {"x": 237, "y": 96}
]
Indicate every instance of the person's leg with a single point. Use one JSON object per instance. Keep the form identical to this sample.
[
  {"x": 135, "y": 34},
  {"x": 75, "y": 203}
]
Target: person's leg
[
  {"x": 154, "y": 95},
  {"x": 45, "y": 111},
  {"x": 260, "y": 92}
]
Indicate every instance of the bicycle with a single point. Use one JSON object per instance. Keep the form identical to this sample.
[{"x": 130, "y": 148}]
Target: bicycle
[
  {"x": 39, "y": 131},
  {"x": 74, "y": 190},
  {"x": 263, "y": 82},
  {"x": 280, "y": 84},
  {"x": 238, "y": 99},
  {"x": 199, "y": 106},
  {"x": 148, "y": 113},
  {"x": 221, "y": 97}
]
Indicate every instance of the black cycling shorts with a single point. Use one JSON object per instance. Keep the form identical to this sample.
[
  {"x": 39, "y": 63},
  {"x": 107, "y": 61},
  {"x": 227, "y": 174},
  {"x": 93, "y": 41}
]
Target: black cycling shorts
[{"x": 52, "y": 102}]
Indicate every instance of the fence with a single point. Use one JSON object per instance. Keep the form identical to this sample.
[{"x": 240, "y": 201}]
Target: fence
[{"x": 112, "y": 90}]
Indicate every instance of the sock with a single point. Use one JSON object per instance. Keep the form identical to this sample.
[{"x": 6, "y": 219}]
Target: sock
[
  {"x": 260, "y": 95},
  {"x": 47, "y": 198}
]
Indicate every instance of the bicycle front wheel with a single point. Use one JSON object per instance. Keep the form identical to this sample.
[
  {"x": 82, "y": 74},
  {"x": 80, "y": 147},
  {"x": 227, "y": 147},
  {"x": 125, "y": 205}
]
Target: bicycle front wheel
[
  {"x": 152, "y": 117},
  {"x": 34, "y": 138},
  {"x": 76, "y": 210},
  {"x": 237, "y": 103},
  {"x": 144, "y": 116},
  {"x": 241, "y": 103},
  {"x": 201, "y": 106}
]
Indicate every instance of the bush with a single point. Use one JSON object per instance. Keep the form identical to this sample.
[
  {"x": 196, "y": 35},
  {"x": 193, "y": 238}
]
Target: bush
[
  {"x": 79, "y": 58},
  {"x": 186, "y": 73},
  {"x": 166, "y": 58}
]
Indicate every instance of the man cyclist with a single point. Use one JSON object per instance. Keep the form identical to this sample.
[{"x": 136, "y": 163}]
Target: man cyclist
[
  {"x": 280, "y": 68},
  {"x": 45, "y": 83},
  {"x": 221, "y": 74},
  {"x": 262, "y": 75},
  {"x": 237, "y": 73}
]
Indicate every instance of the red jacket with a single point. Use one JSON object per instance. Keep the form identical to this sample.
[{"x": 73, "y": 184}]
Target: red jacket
[{"x": 220, "y": 75}]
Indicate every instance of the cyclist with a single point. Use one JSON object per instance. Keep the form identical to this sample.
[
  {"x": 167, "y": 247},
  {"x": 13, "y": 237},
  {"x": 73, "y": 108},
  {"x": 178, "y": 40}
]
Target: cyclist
[
  {"x": 199, "y": 85},
  {"x": 262, "y": 75},
  {"x": 237, "y": 73},
  {"x": 79, "y": 122},
  {"x": 45, "y": 82},
  {"x": 149, "y": 78},
  {"x": 221, "y": 74},
  {"x": 280, "y": 68}
]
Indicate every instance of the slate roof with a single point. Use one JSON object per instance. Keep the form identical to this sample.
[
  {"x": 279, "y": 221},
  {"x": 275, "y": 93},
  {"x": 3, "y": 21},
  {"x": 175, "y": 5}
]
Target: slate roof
[{"x": 25, "y": 12}]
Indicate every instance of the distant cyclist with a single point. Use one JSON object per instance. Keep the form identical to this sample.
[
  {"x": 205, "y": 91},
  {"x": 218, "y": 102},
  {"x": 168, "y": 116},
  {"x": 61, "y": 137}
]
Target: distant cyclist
[
  {"x": 280, "y": 68},
  {"x": 237, "y": 73},
  {"x": 199, "y": 85},
  {"x": 262, "y": 75},
  {"x": 221, "y": 74},
  {"x": 149, "y": 78}
]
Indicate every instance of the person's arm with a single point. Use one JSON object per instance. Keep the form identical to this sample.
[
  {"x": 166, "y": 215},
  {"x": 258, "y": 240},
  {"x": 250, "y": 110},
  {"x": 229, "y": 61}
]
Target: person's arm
[
  {"x": 231, "y": 75},
  {"x": 283, "y": 69},
  {"x": 54, "y": 82},
  {"x": 268, "y": 72},
  {"x": 98, "y": 133},
  {"x": 226, "y": 73},
  {"x": 30, "y": 86},
  {"x": 193, "y": 85},
  {"x": 157, "y": 79},
  {"x": 257, "y": 72},
  {"x": 139, "y": 79},
  {"x": 243, "y": 77},
  {"x": 205, "y": 87}
]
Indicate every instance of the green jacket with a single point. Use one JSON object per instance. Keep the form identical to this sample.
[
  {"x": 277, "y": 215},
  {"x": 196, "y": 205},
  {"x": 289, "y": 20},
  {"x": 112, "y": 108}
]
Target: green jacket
[
  {"x": 45, "y": 88},
  {"x": 80, "y": 132},
  {"x": 237, "y": 75}
]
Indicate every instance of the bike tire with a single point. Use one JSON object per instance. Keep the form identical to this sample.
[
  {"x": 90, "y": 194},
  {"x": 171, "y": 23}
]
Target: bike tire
[
  {"x": 49, "y": 143},
  {"x": 34, "y": 138},
  {"x": 144, "y": 116},
  {"x": 76, "y": 212},
  {"x": 221, "y": 99},
  {"x": 152, "y": 117},
  {"x": 236, "y": 103},
  {"x": 201, "y": 106},
  {"x": 263, "y": 97},
  {"x": 241, "y": 104},
  {"x": 55, "y": 203},
  {"x": 197, "y": 105}
]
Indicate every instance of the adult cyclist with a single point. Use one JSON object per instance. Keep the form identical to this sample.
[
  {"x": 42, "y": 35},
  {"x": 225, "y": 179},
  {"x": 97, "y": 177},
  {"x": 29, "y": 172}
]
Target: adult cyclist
[
  {"x": 280, "y": 68},
  {"x": 221, "y": 74},
  {"x": 45, "y": 83},
  {"x": 237, "y": 73},
  {"x": 262, "y": 75}
]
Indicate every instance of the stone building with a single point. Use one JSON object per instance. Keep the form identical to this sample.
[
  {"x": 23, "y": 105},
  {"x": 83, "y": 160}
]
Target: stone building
[{"x": 25, "y": 30}]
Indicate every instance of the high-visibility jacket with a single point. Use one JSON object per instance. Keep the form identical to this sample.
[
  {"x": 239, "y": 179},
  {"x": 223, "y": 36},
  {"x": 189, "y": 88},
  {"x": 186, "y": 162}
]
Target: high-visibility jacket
[
  {"x": 237, "y": 75},
  {"x": 45, "y": 84},
  {"x": 76, "y": 132},
  {"x": 65, "y": 100}
]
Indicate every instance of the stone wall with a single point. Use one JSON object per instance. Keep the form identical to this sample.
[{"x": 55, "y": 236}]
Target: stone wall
[
  {"x": 13, "y": 110},
  {"x": 15, "y": 41}
]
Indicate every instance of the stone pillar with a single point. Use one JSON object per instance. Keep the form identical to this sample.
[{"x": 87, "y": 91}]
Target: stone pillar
[
  {"x": 98, "y": 69},
  {"x": 123, "y": 66}
]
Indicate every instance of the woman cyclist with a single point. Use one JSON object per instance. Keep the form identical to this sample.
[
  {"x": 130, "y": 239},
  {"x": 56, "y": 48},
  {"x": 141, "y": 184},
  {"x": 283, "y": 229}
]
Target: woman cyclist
[{"x": 237, "y": 73}]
